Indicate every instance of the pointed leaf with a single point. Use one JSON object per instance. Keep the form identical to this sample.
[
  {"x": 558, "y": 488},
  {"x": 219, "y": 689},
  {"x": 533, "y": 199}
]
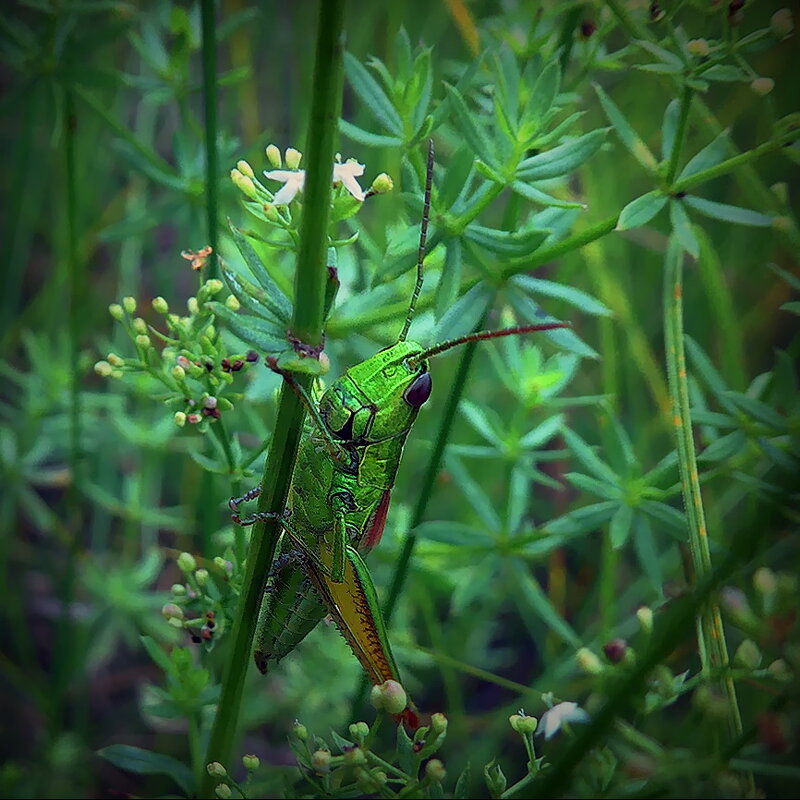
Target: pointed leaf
[
  {"x": 258, "y": 333},
  {"x": 372, "y": 95},
  {"x": 632, "y": 141},
  {"x": 728, "y": 213},
  {"x": 367, "y": 138},
  {"x": 712, "y": 154},
  {"x": 563, "y": 159},
  {"x": 145, "y": 762},
  {"x": 619, "y": 528},
  {"x": 468, "y": 127},
  {"x": 575, "y": 297},
  {"x": 682, "y": 226},
  {"x": 641, "y": 210}
]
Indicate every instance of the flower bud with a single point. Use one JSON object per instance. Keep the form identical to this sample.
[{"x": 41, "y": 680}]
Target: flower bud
[
  {"x": 495, "y": 779},
  {"x": 762, "y": 86},
  {"x": 615, "y": 650},
  {"x": 216, "y": 770},
  {"x": 389, "y": 696},
  {"x": 709, "y": 700},
  {"x": 192, "y": 305},
  {"x": 300, "y": 731},
  {"x": 645, "y": 617},
  {"x": 782, "y": 223},
  {"x": 435, "y": 771},
  {"x": 765, "y": 582},
  {"x": 698, "y": 47},
  {"x": 193, "y": 419},
  {"x": 210, "y": 401},
  {"x": 748, "y": 655},
  {"x": 213, "y": 286},
  {"x": 129, "y": 304},
  {"x": 178, "y": 589},
  {"x": 103, "y": 368},
  {"x": 781, "y": 23},
  {"x": 382, "y": 184},
  {"x": 232, "y": 303},
  {"x": 781, "y": 191},
  {"x": 201, "y": 576},
  {"x": 115, "y": 360},
  {"x": 186, "y": 563},
  {"x": 779, "y": 670},
  {"x": 244, "y": 184},
  {"x": 143, "y": 340},
  {"x": 321, "y": 761},
  {"x": 588, "y": 661},
  {"x": 359, "y": 731},
  {"x": 172, "y": 611},
  {"x": 160, "y": 305},
  {"x": 292, "y": 157},
  {"x": 251, "y": 762},
  {"x": 178, "y": 372},
  {"x": 354, "y": 757},
  {"x": 734, "y": 602},
  {"x": 523, "y": 724},
  {"x": 223, "y": 791},
  {"x": 116, "y": 311},
  {"x": 274, "y": 156},
  {"x": 245, "y": 169},
  {"x": 324, "y": 363},
  {"x": 139, "y": 325},
  {"x": 438, "y": 724}
]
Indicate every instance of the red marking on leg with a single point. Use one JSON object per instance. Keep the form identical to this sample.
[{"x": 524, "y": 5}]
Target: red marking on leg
[{"x": 376, "y": 524}]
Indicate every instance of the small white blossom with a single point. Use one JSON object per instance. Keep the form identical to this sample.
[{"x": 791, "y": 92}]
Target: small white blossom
[
  {"x": 555, "y": 717},
  {"x": 346, "y": 174},
  {"x": 293, "y": 181}
]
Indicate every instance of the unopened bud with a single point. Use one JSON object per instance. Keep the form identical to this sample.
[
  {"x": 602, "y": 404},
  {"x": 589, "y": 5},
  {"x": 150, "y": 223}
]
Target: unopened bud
[
  {"x": 172, "y": 611},
  {"x": 186, "y": 563},
  {"x": 748, "y": 655},
  {"x": 300, "y": 731},
  {"x": 129, "y": 304},
  {"x": 762, "y": 86},
  {"x": 588, "y": 661},
  {"x": 213, "y": 286},
  {"x": 698, "y": 47},
  {"x": 292, "y": 157},
  {"x": 495, "y": 779},
  {"x": 192, "y": 305},
  {"x": 251, "y": 762},
  {"x": 232, "y": 303},
  {"x": 139, "y": 325},
  {"x": 645, "y": 617},
  {"x": 116, "y": 311},
  {"x": 779, "y": 670},
  {"x": 435, "y": 771},
  {"x": 782, "y": 223},
  {"x": 781, "y": 23},
  {"x": 160, "y": 305},
  {"x": 201, "y": 576},
  {"x": 389, "y": 696},
  {"x": 615, "y": 650},
  {"x": 180, "y": 417},
  {"x": 359, "y": 731},
  {"x": 216, "y": 770},
  {"x": 115, "y": 360},
  {"x": 765, "y": 582},
  {"x": 103, "y": 368},
  {"x": 781, "y": 191},
  {"x": 193, "y": 419},
  {"x": 245, "y": 169},
  {"x": 321, "y": 761},
  {"x": 210, "y": 401},
  {"x": 178, "y": 372},
  {"x": 324, "y": 363},
  {"x": 223, "y": 791},
  {"x": 382, "y": 184},
  {"x": 178, "y": 589},
  {"x": 244, "y": 184},
  {"x": 438, "y": 724},
  {"x": 354, "y": 757},
  {"x": 274, "y": 156},
  {"x": 522, "y": 723},
  {"x": 143, "y": 340}
]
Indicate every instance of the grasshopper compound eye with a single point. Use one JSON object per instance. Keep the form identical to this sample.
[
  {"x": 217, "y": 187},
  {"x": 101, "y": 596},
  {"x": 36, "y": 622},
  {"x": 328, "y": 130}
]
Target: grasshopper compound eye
[{"x": 419, "y": 391}]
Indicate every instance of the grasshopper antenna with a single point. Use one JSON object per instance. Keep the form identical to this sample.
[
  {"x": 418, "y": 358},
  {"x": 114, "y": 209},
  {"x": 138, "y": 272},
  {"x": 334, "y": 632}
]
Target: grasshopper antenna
[{"x": 423, "y": 235}]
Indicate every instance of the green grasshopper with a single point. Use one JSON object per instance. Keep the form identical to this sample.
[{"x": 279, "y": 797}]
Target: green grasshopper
[{"x": 339, "y": 497}]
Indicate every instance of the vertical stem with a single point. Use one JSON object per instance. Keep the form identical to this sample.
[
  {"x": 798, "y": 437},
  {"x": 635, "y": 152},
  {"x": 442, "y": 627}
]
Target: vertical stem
[
  {"x": 711, "y": 636},
  {"x": 307, "y": 324},
  {"x": 210, "y": 115}
]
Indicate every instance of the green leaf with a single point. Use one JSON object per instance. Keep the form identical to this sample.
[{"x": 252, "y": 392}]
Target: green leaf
[
  {"x": 660, "y": 69},
  {"x": 541, "y": 100},
  {"x": 568, "y": 294},
  {"x": 463, "y": 317},
  {"x": 531, "y": 599},
  {"x": 583, "y": 520},
  {"x": 145, "y": 762},
  {"x": 673, "y": 519},
  {"x": 515, "y": 244},
  {"x": 641, "y": 210},
  {"x": 725, "y": 447},
  {"x": 586, "y": 456},
  {"x": 462, "y": 790},
  {"x": 724, "y": 72},
  {"x": 258, "y": 333},
  {"x": 604, "y": 489},
  {"x": 477, "y": 418},
  {"x": 367, "y": 138},
  {"x": 663, "y": 55},
  {"x": 455, "y": 179},
  {"x": 619, "y": 528},
  {"x": 728, "y": 213},
  {"x": 468, "y": 127},
  {"x": 372, "y": 96},
  {"x": 156, "y": 653},
  {"x": 682, "y": 226},
  {"x": 758, "y": 410},
  {"x": 647, "y": 552},
  {"x": 542, "y": 433},
  {"x": 634, "y": 143},
  {"x": 450, "y": 282},
  {"x": 530, "y": 192},
  {"x": 274, "y": 297},
  {"x": 712, "y": 154},
  {"x": 473, "y": 492},
  {"x": 455, "y": 533},
  {"x": 792, "y": 305},
  {"x": 563, "y": 159},
  {"x": 669, "y": 127}
]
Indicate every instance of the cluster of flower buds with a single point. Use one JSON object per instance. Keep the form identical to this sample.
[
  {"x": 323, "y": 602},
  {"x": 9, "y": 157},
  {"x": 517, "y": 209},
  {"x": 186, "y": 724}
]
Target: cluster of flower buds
[
  {"x": 202, "y": 605},
  {"x": 189, "y": 360},
  {"x": 274, "y": 205}
]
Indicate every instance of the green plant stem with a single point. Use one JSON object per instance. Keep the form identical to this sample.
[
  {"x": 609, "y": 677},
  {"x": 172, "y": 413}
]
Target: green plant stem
[
  {"x": 210, "y": 115},
  {"x": 710, "y": 633},
  {"x": 307, "y": 324},
  {"x": 220, "y": 432}
]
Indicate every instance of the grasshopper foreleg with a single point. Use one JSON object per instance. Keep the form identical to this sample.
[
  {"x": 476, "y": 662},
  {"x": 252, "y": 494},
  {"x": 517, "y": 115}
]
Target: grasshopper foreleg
[{"x": 235, "y": 502}]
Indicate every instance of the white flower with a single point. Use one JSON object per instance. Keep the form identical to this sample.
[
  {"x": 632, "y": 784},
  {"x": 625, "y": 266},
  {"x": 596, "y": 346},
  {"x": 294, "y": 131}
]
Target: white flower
[
  {"x": 346, "y": 174},
  {"x": 555, "y": 717},
  {"x": 293, "y": 181}
]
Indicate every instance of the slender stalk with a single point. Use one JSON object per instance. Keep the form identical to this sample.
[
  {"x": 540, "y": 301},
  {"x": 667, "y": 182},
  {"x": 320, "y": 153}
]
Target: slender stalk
[
  {"x": 711, "y": 636},
  {"x": 307, "y": 324},
  {"x": 210, "y": 115}
]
